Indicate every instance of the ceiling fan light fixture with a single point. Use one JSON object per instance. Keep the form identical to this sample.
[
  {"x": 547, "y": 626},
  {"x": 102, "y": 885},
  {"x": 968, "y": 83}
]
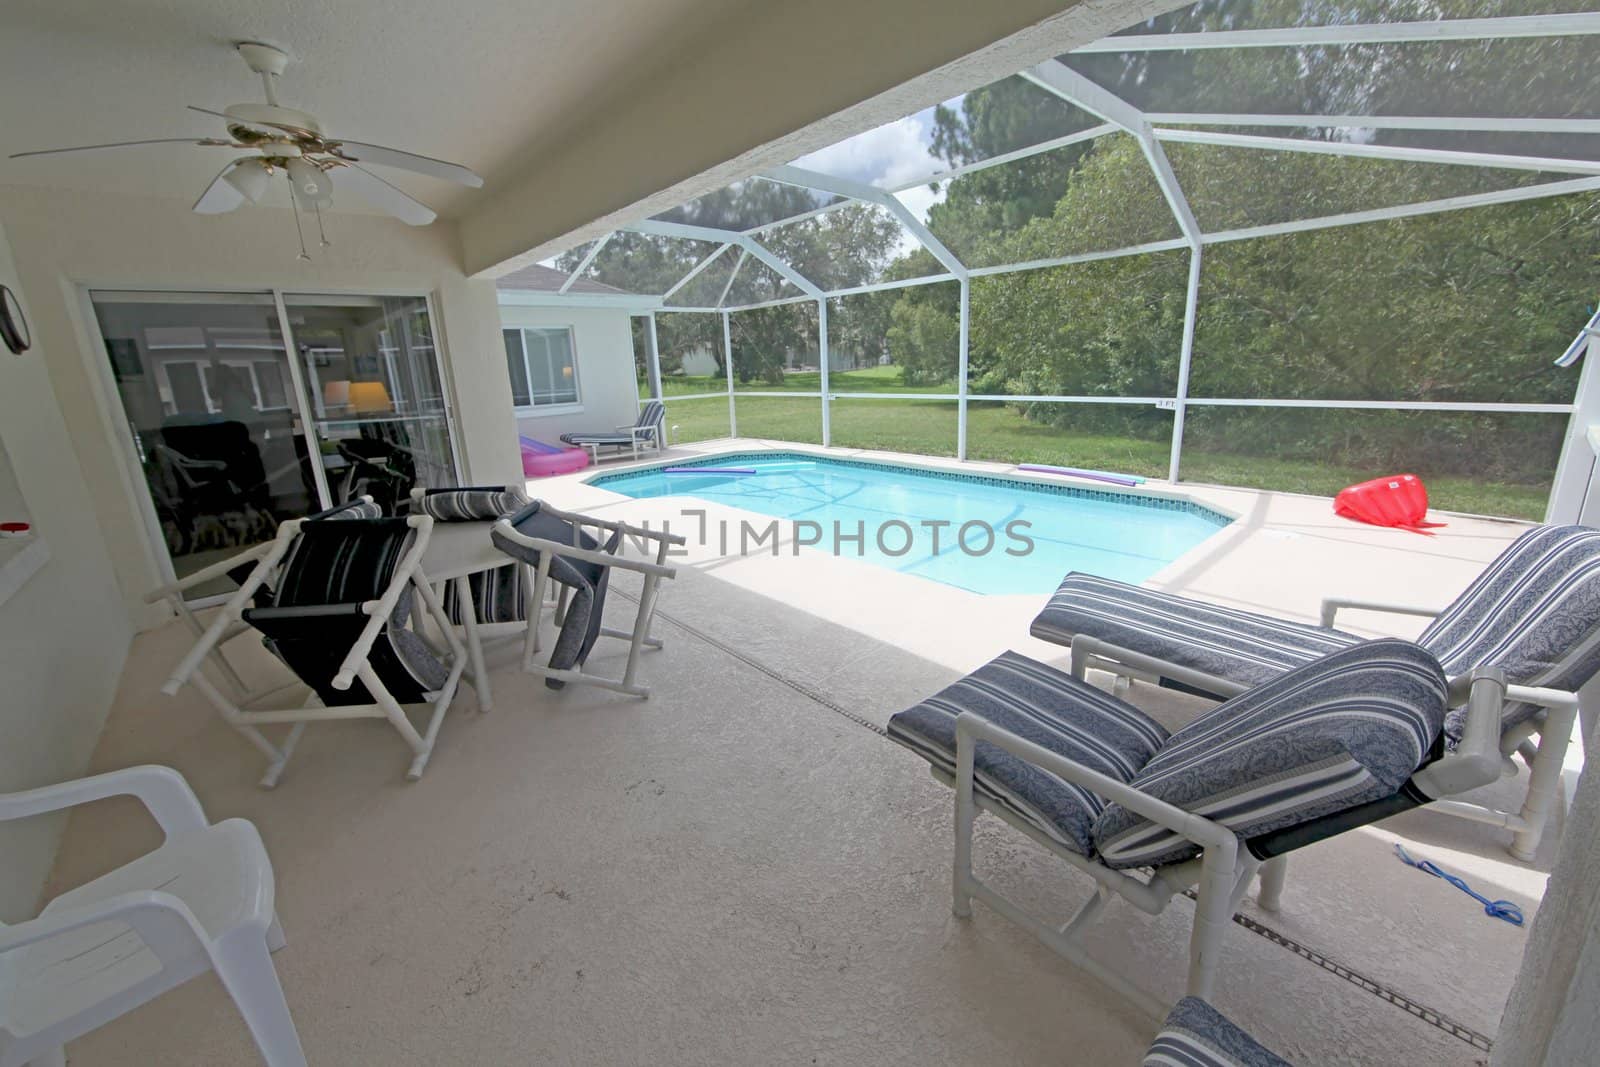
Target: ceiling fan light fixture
[
  {"x": 312, "y": 186},
  {"x": 249, "y": 177}
]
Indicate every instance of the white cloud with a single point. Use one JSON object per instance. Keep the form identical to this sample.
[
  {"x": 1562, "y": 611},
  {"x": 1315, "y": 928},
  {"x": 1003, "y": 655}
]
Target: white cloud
[{"x": 893, "y": 153}]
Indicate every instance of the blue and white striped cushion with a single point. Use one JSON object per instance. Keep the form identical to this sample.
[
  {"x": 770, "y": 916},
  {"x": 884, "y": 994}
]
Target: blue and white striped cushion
[
  {"x": 1240, "y": 646},
  {"x": 1050, "y": 708},
  {"x": 652, "y": 412},
  {"x": 471, "y": 504},
  {"x": 1197, "y": 1035},
  {"x": 1534, "y": 612},
  {"x": 1347, "y": 729}
]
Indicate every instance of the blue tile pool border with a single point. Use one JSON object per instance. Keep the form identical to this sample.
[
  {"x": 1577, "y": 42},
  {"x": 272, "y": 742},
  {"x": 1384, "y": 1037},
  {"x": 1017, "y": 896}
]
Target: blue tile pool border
[{"x": 1152, "y": 501}]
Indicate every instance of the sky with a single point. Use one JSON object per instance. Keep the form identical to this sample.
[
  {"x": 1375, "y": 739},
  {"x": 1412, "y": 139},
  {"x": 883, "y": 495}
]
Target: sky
[{"x": 890, "y": 155}]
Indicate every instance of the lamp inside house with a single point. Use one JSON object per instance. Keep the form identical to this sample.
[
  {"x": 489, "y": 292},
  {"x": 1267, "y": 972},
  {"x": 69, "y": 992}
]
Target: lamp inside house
[
  {"x": 336, "y": 394},
  {"x": 369, "y": 397}
]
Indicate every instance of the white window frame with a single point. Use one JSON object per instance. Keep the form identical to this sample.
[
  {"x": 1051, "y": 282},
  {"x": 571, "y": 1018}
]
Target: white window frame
[{"x": 538, "y": 411}]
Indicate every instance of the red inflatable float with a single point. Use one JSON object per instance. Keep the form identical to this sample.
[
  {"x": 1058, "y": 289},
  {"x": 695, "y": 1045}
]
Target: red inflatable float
[{"x": 1398, "y": 500}]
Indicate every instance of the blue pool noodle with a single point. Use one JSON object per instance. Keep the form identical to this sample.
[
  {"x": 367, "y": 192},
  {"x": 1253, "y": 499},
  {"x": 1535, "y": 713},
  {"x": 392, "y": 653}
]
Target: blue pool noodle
[
  {"x": 708, "y": 470},
  {"x": 1080, "y": 472}
]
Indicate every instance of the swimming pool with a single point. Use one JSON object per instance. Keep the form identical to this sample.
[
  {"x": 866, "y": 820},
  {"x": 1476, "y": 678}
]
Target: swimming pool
[{"x": 933, "y": 523}]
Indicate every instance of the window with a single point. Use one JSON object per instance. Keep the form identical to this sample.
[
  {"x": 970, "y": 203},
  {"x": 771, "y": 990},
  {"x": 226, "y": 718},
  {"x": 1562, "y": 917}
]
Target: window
[{"x": 543, "y": 371}]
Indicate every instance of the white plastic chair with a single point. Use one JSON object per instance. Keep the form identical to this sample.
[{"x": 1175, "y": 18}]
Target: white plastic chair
[{"x": 202, "y": 901}]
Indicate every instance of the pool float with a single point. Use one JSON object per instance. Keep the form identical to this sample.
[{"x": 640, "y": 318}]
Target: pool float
[
  {"x": 1399, "y": 500},
  {"x": 1127, "y": 480},
  {"x": 708, "y": 470},
  {"x": 540, "y": 460}
]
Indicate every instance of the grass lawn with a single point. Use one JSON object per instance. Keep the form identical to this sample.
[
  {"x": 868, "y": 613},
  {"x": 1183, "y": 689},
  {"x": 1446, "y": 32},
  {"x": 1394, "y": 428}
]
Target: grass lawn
[{"x": 1000, "y": 434}]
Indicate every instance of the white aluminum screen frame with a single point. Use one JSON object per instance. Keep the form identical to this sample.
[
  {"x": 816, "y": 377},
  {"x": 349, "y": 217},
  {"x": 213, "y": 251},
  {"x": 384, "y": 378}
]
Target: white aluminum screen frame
[{"x": 1152, "y": 130}]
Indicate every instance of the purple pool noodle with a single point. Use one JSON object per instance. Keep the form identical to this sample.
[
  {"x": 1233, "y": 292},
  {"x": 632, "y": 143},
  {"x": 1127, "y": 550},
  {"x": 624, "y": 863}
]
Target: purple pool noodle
[
  {"x": 1097, "y": 476},
  {"x": 530, "y": 445},
  {"x": 708, "y": 470}
]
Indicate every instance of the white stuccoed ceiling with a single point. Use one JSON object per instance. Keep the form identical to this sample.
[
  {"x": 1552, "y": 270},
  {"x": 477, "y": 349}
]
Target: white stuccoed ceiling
[{"x": 477, "y": 82}]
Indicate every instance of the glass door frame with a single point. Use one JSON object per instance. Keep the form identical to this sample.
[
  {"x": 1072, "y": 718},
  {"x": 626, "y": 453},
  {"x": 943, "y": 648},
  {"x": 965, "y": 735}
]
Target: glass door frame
[{"x": 115, "y": 414}]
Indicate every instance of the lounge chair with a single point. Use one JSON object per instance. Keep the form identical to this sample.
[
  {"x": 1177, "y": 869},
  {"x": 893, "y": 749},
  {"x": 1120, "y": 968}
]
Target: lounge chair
[
  {"x": 338, "y": 617},
  {"x": 1197, "y": 1035},
  {"x": 1346, "y": 740},
  {"x": 648, "y": 429},
  {"x": 238, "y": 569},
  {"x": 1534, "y": 611},
  {"x": 578, "y": 553}
]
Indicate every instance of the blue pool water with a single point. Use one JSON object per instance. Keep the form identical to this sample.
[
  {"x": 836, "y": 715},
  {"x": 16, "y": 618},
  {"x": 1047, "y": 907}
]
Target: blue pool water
[{"x": 912, "y": 520}]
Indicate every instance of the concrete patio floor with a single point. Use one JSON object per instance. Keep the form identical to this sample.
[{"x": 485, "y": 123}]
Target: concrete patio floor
[{"x": 742, "y": 869}]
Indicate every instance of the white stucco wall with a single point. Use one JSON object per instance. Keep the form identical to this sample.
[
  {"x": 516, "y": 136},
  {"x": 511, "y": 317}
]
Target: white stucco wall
[
  {"x": 63, "y": 635},
  {"x": 64, "y": 241},
  {"x": 608, "y": 392}
]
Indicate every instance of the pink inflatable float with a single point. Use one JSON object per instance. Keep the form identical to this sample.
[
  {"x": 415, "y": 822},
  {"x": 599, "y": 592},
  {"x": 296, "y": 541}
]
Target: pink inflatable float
[{"x": 540, "y": 460}]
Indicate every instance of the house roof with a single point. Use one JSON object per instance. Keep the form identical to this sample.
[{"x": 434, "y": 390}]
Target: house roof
[{"x": 538, "y": 278}]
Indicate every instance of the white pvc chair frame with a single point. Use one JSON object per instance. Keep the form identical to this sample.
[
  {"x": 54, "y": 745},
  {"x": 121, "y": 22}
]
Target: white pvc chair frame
[
  {"x": 1223, "y": 872},
  {"x": 1545, "y": 760},
  {"x": 654, "y": 572},
  {"x": 165, "y": 923},
  {"x": 249, "y": 715},
  {"x": 174, "y": 593}
]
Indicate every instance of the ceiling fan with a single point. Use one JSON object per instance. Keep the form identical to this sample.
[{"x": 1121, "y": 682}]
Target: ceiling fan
[{"x": 283, "y": 140}]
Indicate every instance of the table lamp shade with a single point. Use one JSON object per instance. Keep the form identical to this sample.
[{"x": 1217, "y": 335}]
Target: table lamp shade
[
  {"x": 369, "y": 396},
  {"x": 336, "y": 393}
]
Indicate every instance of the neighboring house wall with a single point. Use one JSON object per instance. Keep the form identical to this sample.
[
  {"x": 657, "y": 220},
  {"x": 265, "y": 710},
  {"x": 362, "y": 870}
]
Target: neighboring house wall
[
  {"x": 608, "y": 391},
  {"x": 63, "y": 635},
  {"x": 64, "y": 240},
  {"x": 699, "y": 362}
]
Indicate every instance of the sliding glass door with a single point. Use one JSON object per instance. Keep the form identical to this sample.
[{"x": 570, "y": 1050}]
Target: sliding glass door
[
  {"x": 373, "y": 382},
  {"x": 206, "y": 384},
  {"x": 236, "y": 427}
]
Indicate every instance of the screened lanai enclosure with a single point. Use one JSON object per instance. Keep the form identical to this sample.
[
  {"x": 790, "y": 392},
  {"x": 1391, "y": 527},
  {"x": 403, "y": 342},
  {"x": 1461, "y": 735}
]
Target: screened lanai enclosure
[{"x": 1286, "y": 244}]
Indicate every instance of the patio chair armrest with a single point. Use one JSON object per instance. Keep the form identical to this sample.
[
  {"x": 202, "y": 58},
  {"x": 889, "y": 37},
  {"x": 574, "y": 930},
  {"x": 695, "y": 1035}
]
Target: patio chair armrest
[
  {"x": 163, "y": 922},
  {"x": 162, "y": 790},
  {"x": 233, "y": 609},
  {"x": 1541, "y": 697},
  {"x": 972, "y": 728},
  {"x": 207, "y": 574},
  {"x": 1477, "y": 759},
  {"x": 606, "y": 559},
  {"x": 1332, "y": 604},
  {"x": 1085, "y": 647}
]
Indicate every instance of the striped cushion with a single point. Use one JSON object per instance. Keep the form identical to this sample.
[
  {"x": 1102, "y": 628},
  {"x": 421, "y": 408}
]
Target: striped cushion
[
  {"x": 471, "y": 503},
  {"x": 1050, "y": 708},
  {"x": 650, "y": 414},
  {"x": 1198, "y": 1035},
  {"x": 499, "y": 595},
  {"x": 353, "y": 509},
  {"x": 604, "y": 437},
  {"x": 1240, "y": 646},
  {"x": 1534, "y": 612},
  {"x": 1347, "y": 729}
]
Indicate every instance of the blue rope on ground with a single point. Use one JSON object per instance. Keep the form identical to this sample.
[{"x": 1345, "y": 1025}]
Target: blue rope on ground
[{"x": 1499, "y": 909}]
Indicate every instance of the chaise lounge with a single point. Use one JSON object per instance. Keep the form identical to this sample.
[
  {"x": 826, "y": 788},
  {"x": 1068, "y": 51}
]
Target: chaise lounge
[
  {"x": 1345, "y": 740},
  {"x": 648, "y": 429},
  {"x": 1534, "y": 612}
]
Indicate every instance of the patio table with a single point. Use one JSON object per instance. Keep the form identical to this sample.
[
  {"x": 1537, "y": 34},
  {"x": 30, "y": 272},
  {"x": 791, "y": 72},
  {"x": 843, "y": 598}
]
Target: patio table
[{"x": 455, "y": 552}]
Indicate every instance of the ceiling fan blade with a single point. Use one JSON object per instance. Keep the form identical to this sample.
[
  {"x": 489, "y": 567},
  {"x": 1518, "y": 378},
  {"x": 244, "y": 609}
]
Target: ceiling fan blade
[
  {"x": 379, "y": 193},
  {"x": 358, "y": 152},
  {"x": 220, "y": 195},
  {"x": 116, "y": 144}
]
